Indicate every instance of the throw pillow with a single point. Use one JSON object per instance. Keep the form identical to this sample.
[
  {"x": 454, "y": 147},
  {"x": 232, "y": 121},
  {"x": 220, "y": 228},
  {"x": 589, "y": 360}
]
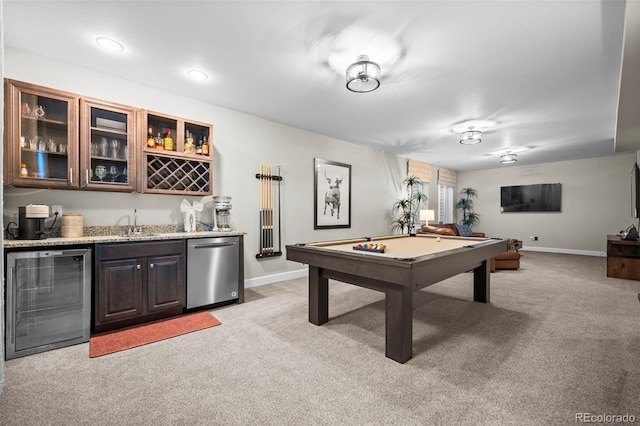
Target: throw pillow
[{"x": 464, "y": 230}]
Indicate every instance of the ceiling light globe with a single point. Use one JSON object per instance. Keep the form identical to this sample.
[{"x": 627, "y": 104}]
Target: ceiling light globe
[
  {"x": 363, "y": 75},
  {"x": 508, "y": 158},
  {"x": 471, "y": 137}
]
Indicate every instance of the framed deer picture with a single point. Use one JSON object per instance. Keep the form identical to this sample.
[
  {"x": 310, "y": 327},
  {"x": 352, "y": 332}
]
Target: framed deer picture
[{"x": 332, "y": 194}]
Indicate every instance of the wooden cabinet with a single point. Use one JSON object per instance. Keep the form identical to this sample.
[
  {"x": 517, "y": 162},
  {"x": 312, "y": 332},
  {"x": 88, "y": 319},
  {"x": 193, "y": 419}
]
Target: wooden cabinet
[
  {"x": 181, "y": 170},
  {"x": 107, "y": 146},
  {"x": 138, "y": 282},
  {"x": 60, "y": 140},
  {"x": 41, "y": 137},
  {"x": 623, "y": 258}
]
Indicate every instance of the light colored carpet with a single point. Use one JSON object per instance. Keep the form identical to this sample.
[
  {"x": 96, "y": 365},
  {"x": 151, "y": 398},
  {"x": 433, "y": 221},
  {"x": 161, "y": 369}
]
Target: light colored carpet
[{"x": 558, "y": 338}]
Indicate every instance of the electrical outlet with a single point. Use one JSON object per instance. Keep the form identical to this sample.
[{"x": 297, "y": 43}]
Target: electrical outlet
[
  {"x": 533, "y": 238},
  {"x": 57, "y": 209}
]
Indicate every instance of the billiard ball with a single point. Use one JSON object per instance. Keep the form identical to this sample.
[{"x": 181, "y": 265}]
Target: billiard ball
[{"x": 437, "y": 239}]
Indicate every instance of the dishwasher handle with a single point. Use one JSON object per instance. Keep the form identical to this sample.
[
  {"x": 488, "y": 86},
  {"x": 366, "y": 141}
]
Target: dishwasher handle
[{"x": 210, "y": 245}]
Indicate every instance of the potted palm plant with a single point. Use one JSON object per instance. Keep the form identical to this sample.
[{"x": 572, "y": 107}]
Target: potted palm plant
[
  {"x": 465, "y": 206},
  {"x": 406, "y": 209}
]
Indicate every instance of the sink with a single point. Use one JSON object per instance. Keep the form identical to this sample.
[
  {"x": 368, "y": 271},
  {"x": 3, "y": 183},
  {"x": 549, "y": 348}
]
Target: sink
[{"x": 139, "y": 235}]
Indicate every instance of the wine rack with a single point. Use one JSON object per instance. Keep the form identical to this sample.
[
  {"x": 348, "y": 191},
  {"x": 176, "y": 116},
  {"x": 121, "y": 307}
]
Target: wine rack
[{"x": 176, "y": 175}]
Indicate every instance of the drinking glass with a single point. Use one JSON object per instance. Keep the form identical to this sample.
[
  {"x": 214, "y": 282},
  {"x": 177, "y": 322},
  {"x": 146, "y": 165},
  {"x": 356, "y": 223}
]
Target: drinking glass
[
  {"x": 104, "y": 146},
  {"x": 101, "y": 172},
  {"x": 113, "y": 172},
  {"x": 115, "y": 147},
  {"x": 52, "y": 146}
]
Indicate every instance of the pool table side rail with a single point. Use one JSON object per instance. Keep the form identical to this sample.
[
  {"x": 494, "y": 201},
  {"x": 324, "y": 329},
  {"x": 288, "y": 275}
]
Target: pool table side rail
[
  {"x": 416, "y": 272},
  {"x": 425, "y": 274}
]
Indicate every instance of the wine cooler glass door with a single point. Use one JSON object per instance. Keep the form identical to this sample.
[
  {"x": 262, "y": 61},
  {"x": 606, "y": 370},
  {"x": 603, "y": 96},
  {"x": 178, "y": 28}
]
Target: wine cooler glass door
[{"x": 48, "y": 300}]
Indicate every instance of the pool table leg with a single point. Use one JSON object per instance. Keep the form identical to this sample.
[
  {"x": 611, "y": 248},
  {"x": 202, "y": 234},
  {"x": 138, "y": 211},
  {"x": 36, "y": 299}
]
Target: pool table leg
[
  {"x": 399, "y": 323},
  {"x": 318, "y": 297},
  {"x": 481, "y": 285}
]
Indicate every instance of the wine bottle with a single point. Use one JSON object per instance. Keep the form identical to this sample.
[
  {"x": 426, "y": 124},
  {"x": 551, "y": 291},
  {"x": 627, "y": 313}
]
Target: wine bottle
[
  {"x": 168, "y": 141},
  {"x": 151, "y": 143},
  {"x": 199, "y": 147},
  {"x": 159, "y": 142}
]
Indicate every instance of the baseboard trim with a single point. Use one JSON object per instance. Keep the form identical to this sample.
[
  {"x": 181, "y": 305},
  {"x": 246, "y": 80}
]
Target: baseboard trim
[
  {"x": 566, "y": 251},
  {"x": 274, "y": 278}
]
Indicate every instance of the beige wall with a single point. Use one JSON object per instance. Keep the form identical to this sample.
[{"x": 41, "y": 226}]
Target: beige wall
[
  {"x": 241, "y": 143},
  {"x": 596, "y": 201}
]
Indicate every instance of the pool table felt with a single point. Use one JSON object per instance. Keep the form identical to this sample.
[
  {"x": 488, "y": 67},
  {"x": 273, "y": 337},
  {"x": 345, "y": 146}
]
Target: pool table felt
[{"x": 404, "y": 247}]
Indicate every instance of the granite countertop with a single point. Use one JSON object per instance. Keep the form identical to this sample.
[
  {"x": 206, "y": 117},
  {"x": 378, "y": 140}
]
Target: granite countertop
[{"x": 117, "y": 234}]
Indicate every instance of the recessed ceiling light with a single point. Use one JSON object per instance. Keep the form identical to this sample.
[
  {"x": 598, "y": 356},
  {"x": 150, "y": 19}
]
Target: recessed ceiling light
[
  {"x": 197, "y": 75},
  {"x": 109, "y": 44}
]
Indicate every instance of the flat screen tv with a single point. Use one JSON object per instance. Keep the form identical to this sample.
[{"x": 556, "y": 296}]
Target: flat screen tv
[{"x": 542, "y": 197}]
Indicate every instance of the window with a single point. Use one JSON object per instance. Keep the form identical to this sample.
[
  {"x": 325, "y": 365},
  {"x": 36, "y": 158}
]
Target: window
[{"x": 445, "y": 203}]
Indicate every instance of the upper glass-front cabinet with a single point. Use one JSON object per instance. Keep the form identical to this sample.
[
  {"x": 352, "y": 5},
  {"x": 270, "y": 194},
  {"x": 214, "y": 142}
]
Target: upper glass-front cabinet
[
  {"x": 107, "y": 146},
  {"x": 41, "y": 137}
]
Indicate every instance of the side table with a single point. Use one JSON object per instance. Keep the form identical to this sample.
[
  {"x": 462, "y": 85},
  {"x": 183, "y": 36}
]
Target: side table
[{"x": 623, "y": 258}]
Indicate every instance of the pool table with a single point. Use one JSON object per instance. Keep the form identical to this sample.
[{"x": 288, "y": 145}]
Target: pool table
[{"x": 409, "y": 263}]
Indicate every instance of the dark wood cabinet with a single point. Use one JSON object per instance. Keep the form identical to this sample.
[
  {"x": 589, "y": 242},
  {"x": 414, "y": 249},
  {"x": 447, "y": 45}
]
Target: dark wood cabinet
[
  {"x": 41, "y": 137},
  {"x": 187, "y": 167},
  {"x": 107, "y": 146},
  {"x": 623, "y": 258},
  {"x": 138, "y": 282},
  {"x": 61, "y": 140}
]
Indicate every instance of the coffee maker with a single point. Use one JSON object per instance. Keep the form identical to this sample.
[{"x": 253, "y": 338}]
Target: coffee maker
[
  {"x": 221, "y": 214},
  {"x": 31, "y": 222}
]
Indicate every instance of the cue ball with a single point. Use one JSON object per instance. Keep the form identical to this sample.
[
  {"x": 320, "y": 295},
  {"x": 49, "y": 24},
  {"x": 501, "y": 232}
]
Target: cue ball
[{"x": 438, "y": 239}]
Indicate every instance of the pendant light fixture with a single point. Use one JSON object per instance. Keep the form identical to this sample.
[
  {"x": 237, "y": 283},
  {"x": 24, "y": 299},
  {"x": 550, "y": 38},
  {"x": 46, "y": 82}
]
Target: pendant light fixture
[
  {"x": 363, "y": 75},
  {"x": 471, "y": 136},
  {"x": 508, "y": 158}
]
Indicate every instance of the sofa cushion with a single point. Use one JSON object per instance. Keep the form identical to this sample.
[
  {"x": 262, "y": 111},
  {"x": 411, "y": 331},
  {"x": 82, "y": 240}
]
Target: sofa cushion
[
  {"x": 428, "y": 229},
  {"x": 464, "y": 230}
]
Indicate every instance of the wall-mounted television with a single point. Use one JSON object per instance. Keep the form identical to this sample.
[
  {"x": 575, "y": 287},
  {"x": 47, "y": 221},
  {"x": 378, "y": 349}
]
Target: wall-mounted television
[{"x": 541, "y": 197}]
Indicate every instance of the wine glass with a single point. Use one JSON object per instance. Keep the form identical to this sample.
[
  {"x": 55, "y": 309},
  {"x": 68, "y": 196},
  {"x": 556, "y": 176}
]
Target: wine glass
[
  {"x": 113, "y": 172},
  {"x": 101, "y": 172}
]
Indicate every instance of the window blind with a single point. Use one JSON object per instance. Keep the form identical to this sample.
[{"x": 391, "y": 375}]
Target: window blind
[
  {"x": 419, "y": 169},
  {"x": 446, "y": 177}
]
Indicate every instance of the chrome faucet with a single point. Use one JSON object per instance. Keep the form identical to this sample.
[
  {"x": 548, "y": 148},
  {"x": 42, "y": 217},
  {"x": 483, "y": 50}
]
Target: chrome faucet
[{"x": 135, "y": 229}]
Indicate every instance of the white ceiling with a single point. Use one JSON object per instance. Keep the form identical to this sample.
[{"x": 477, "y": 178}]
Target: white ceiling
[{"x": 547, "y": 72}]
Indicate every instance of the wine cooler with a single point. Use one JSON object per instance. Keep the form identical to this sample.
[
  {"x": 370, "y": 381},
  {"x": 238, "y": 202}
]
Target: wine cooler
[{"x": 48, "y": 300}]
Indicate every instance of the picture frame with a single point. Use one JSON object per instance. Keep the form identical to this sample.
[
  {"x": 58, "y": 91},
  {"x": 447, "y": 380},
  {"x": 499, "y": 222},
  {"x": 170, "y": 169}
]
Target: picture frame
[{"x": 332, "y": 194}]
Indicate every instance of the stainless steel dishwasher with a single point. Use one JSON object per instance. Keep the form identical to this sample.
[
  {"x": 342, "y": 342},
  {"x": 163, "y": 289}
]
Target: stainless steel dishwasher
[{"x": 213, "y": 270}]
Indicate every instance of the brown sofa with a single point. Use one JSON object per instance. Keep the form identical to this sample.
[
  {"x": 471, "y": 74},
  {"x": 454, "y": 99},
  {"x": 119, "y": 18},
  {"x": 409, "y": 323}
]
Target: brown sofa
[
  {"x": 444, "y": 229},
  {"x": 510, "y": 259}
]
